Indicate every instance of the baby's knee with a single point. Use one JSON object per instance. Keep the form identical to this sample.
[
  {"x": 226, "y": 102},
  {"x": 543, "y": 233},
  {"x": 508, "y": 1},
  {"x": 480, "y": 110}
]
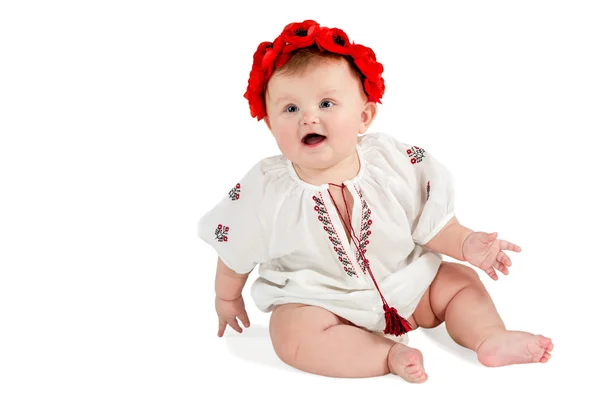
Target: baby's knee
[
  {"x": 286, "y": 349},
  {"x": 470, "y": 274},
  {"x": 282, "y": 332},
  {"x": 460, "y": 275}
]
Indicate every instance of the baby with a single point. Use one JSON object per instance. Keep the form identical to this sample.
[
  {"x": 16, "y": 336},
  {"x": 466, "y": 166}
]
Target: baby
[{"x": 349, "y": 228}]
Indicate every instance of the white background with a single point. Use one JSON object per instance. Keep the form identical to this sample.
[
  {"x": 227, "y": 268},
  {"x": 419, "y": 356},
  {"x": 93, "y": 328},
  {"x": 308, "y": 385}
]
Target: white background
[{"x": 123, "y": 122}]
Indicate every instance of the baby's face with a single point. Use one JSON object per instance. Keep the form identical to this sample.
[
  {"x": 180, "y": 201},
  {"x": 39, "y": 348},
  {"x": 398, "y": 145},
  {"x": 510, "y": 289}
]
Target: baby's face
[{"x": 316, "y": 116}]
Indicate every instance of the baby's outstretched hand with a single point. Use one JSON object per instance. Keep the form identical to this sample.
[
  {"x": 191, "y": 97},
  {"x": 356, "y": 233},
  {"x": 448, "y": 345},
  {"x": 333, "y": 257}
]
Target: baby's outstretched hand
[
  {"x": 485, "y": 251},
  {"x": 228, "y": 311}
]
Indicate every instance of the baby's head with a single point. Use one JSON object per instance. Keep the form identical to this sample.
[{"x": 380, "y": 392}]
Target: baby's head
[{"x": 316, "y": 92}]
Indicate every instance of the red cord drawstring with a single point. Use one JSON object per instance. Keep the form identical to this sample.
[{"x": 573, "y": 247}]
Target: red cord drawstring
[{"x": 394, "y": 323}]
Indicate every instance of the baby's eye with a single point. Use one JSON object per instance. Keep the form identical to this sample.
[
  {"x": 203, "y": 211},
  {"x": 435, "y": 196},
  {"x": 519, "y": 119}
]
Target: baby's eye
[
  {"x": 290, "y": 109},
  {"x": 327, "y": 102}
]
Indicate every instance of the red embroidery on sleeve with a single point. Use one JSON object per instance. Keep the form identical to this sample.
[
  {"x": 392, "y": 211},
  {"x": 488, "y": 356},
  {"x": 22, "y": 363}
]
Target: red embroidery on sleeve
[
  {"x": 221, "y": 233},
  {"x": 234, "y": 194},
  {"x": 416, "y": 154}
]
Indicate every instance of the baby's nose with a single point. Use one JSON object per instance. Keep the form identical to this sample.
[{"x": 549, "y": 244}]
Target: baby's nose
[{"x": 310, "y": 117}]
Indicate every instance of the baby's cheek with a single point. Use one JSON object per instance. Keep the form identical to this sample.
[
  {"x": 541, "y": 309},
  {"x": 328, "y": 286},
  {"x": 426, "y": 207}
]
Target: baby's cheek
[
  {"x": 347, "y": 121},
  {"x": 287, "y": 144}
]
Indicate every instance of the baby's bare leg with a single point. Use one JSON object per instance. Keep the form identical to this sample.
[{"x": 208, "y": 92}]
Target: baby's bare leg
[
  {"x": 315, "y": 340},
  {"x": 458, "y": 297}
]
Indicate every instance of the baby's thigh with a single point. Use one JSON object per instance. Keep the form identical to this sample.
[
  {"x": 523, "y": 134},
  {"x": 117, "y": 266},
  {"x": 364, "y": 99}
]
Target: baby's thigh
[
  {"x": 292, "y": 323},
  {"x": 450, "y": 279}
]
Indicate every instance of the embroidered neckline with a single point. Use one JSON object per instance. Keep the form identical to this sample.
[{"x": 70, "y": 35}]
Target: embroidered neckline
[
  {"x": 365, "y": 228},
  {"x": 334, "y": 237}
]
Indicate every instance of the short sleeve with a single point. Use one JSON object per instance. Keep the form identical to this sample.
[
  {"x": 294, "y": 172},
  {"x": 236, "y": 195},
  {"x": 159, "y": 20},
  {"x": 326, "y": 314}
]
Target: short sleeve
[
  {"x": 234, "y": 227},
  {"x": 434, "y": 201}
]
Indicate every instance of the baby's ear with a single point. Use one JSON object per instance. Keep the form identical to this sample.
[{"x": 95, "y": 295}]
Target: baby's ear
[
  {"x": 367, "y": 116},
  {"x": 267, "y": 122}
]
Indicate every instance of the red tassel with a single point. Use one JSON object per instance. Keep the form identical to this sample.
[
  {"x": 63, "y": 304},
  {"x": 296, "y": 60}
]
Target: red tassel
[{"x": 394, "y": 323}]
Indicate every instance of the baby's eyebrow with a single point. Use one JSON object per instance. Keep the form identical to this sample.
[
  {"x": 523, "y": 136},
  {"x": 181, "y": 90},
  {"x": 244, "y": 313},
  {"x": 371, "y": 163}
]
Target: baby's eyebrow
[
  {"x": 323, "y": 93},
  {"x": 328, "y": 91},
  {"x": 281, "y": 99}
]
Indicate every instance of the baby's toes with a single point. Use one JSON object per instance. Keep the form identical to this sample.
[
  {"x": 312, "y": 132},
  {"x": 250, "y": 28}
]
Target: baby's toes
[
  {"x": 418, "y": 377},
  {"x": 544, "y": 342},
  {"x": 415, "y": 373},
  {"x": 414, "y": 369},
  {"x": 542, "y": 348},
  {"x": 422, "y": 377},
  {"x": 545, "y": 357}
]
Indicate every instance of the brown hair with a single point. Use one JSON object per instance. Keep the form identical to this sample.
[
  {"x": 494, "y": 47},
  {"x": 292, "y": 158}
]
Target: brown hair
[{"x": 306, "y": 56}]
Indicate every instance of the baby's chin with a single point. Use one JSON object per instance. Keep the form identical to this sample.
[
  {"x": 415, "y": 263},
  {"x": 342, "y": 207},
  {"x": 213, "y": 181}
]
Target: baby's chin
[{"x": 318, "y": 161}]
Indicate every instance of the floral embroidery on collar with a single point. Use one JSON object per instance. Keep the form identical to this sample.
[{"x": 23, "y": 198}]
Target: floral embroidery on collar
[{"x": 365, "y": 231}]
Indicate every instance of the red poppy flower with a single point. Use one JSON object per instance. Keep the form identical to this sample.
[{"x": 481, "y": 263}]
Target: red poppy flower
[
  {"x": 365, "y": 60},
  {"x": 299, "y": 34},
  {"x": 374, "y": 89},
  {"x": 333, "y": 40},
  {"x": 271, "y": 52},
  {"x": 256, "y": 80},
  {"x": 281, "y": 59},
  {"x": 257, "y": 107},
  {"x": 259, "y": 54}
]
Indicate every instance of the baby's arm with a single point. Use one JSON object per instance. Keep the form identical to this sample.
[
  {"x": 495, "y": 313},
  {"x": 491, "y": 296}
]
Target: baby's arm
[
  {"x": 228, "y": 283},
  {"x": 449, "y": 241},
  {"x": 229, "y": 302},
  {"x": 480, "y": 249}
]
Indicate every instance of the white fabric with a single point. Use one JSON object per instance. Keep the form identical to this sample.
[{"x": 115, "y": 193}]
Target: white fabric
[{"x": 402, "y": 198}]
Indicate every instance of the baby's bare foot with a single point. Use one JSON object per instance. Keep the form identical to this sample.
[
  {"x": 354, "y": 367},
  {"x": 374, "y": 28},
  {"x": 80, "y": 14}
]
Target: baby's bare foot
[
  {"x": 407, "y": 363},
  {"x": 514, "y": 347}
]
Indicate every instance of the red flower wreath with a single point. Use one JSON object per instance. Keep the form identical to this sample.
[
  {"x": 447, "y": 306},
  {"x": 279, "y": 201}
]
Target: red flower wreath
[{"x": 272, "y": 55}]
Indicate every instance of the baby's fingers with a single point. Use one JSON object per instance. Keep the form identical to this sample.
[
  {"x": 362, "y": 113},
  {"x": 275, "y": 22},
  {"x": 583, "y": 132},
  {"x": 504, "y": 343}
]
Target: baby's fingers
[
  {"x": 504, "y": 245},
  {"x": 501, "y": 267},
  {"x": 222, "y": 326},
  {"x": 234, "y": 325},
  {"x": 491, "y": 273},
  {"x": 243, "y": 317},
  {"x": 503, "y": 259}
]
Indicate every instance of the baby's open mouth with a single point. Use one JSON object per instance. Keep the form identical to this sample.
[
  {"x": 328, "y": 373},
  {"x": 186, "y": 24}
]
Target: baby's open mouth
[{"x": 312, "y": 139}]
